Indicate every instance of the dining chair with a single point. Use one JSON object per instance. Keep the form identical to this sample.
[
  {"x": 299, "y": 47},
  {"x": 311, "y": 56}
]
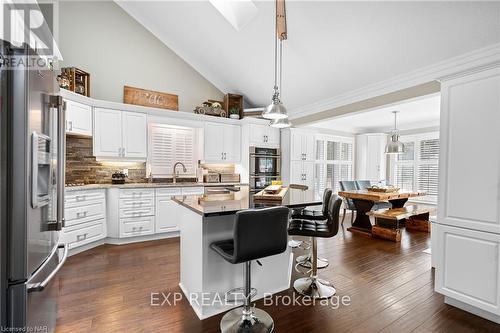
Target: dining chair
[
  {"x": 363, "y": 184},
  {"x": 348, "y": 185}
]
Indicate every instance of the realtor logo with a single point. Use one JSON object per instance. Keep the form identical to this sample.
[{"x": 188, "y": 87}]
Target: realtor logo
[{"x": 29, "y": 24}]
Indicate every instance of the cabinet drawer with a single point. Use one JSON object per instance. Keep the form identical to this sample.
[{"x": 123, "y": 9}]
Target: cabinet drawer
[
  {"x": 137, "y": 212},
  {"x": 198, "y": 190},
  {"x": 126, "y": 203},
  {"x": 130, "y": 227},
  {"x": 84, "y": 213},
  {"x": 136, "y": 193},
  {"x": 83, "y": 234},
  {"x": 82, "y": 198},
  {"x": 168, "y": 192}
]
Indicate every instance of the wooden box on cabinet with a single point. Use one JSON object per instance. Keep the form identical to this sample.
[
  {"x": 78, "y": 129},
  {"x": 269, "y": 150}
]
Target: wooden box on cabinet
[{"x": 231, "y": 100}]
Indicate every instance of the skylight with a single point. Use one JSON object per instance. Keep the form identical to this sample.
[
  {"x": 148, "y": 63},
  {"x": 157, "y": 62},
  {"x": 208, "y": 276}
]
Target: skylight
[{"x": 237, "y": 12}]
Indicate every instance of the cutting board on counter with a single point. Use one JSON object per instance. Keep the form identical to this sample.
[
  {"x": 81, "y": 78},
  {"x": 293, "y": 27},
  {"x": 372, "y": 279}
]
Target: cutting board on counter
[{"x": 262, "y": 195}]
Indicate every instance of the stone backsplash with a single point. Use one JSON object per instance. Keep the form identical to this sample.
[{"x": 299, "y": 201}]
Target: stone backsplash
[{"x": 83, "y": 168}]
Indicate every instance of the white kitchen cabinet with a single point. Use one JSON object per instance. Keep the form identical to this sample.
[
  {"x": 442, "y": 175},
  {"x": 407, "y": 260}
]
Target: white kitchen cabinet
[
  {"x": 107, "y": 133},
  {"x": 85, "y": 214},
  {"x": 468, "y": 223},
  {"x": 167, "y": 211},
  {"x": 468, "y": 266},
  {"x": 120, "y": 134},
  {"x": 302, "y": 173},
  {"x": 78, "y": 118},
  {"x": 298, "y": 154},
  {"x": 134, "y": 134},
  {"x": 264, "y": 136},
  {"x": 136, "y": 212},
  {"x": 370, "y": 157},
  {"x": 222, "y": 143},
  {"x": 302, "y": 145}
]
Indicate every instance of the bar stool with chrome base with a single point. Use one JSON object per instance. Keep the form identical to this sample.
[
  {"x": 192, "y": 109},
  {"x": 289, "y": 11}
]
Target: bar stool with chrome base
[
  {"x": 315, "y": 215},
  {"x": 312, "y": 286},
  {"x": 258, "y": 233}
]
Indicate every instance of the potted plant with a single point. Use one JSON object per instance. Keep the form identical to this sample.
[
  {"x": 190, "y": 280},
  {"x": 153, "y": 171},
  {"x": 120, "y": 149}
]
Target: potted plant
[{"x": 234, "y": 112}]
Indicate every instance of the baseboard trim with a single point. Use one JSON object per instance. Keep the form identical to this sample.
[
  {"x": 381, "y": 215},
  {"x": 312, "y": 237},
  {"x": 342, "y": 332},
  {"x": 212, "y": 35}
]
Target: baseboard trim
[
  {"x": 122, "y": 241},
  {"x": 469, "y": 308}
]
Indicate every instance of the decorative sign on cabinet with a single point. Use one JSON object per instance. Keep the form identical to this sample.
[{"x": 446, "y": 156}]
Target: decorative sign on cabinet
[{"x": 120, "y": 134}]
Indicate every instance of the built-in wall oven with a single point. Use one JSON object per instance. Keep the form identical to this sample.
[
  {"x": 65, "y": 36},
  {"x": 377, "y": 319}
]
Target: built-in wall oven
[{"x": 265, "y": 166}]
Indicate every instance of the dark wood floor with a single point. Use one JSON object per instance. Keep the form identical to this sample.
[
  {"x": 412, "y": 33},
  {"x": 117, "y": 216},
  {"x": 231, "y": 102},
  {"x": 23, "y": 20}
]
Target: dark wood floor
[{"x": 107, "y": 289}]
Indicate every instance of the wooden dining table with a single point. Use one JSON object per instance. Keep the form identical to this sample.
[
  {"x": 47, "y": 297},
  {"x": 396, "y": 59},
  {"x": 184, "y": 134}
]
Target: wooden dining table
[{"x": 364, "y": 200}]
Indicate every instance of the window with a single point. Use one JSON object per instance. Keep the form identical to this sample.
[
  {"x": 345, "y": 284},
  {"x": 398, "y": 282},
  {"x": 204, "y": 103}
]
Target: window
[
  {"x": 417, "y": 169},
  {"x": 168, "y": 145},
  {"x": 334, "y": 162}
]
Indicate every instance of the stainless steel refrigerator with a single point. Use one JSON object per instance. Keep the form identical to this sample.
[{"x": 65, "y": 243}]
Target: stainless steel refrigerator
[{"x": 32, "y": 193}]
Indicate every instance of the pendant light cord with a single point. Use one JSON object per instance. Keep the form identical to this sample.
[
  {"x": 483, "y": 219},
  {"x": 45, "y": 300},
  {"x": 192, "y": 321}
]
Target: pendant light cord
[
  {"x": 276, "y": 49},
  {"x": 281, "y": 68}
]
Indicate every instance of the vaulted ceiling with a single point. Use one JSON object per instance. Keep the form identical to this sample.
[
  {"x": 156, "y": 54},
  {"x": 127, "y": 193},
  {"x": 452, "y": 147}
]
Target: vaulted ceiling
[{"x": 332, "y": 47}]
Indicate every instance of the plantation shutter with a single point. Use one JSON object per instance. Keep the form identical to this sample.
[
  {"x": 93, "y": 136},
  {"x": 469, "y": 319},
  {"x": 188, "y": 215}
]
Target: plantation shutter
[
  {"x": 427, "y": 174},
  {"x": 169, "y": 145},
  {"x": 403, "y": 176}
]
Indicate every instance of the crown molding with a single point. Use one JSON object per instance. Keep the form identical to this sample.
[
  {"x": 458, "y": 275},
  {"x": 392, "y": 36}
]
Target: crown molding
[{"x": 480, "y": 59}]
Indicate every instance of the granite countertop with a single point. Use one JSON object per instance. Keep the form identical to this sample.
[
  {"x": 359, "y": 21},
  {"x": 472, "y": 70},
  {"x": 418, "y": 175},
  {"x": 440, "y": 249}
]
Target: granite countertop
[
  {"x": 230, "y": 203},
  {"x": 146, "y": 185}
]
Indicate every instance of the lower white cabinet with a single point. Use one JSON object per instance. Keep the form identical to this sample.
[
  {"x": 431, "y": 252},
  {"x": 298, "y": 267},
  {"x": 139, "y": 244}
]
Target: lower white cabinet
[
  {"x": 467, "y": 266},
  {"x": 136, "y": 212},
  {"x": 85, "y": 214},
  {"x": 167, "y": 211},
  {"x": 302, "y": 173}
]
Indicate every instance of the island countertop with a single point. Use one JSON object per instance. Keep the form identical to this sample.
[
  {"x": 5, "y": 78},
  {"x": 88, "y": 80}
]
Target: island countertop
[{"x": 230, "y": 203}]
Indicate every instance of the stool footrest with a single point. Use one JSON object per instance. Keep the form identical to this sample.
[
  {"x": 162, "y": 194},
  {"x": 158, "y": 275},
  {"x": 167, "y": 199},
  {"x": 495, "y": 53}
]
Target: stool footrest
[{"x": 238, "y": 291}]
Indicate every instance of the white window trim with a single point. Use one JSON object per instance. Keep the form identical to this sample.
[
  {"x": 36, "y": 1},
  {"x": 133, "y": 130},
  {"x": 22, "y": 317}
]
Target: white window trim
[{"x": 415, "y": 138}]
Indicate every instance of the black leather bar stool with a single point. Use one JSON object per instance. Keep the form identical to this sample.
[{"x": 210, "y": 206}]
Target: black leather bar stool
[
  {"x": 258, "y": 233},
  {"x": 315, "y": 215},
  {"x": 312, "y": 286}
]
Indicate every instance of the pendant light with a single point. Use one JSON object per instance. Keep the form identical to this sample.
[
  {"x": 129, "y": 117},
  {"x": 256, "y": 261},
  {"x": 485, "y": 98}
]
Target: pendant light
[
  {"x": 282, "y": 122},
  {"x": 276, "y": 110},
  {"x": 395, "y": 146}
]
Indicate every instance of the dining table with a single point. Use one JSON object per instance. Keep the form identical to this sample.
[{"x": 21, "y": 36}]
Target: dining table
[{"x": 364, "y": 201}]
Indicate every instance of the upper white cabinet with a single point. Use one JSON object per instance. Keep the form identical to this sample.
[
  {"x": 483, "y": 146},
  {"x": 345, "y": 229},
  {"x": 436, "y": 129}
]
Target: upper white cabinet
[
  {"x": 120, "y": 134},
  {"x": 78, "y": 118},
  {"x": 134, "y": 127},
  {"x": 222, "y": 143},
  {"x": 302, "y": 145},
  {"x": 264, "y": 136},
  {"x": 370, "y": 156}
]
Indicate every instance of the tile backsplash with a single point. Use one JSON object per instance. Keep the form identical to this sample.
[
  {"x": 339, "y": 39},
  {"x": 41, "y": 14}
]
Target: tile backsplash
[{"x": 83, "y": 168}]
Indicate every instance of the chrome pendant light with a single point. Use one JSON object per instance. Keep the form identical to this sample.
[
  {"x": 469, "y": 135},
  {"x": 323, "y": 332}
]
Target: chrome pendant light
[
  {"x": 395, "y": 146},
  {"x": 276, "y": 110},
  {"x": 281, "y": 122}
]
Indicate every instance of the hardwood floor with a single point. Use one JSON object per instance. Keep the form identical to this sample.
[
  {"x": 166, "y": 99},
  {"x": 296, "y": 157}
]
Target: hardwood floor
[{"x": 390, "y": 285}]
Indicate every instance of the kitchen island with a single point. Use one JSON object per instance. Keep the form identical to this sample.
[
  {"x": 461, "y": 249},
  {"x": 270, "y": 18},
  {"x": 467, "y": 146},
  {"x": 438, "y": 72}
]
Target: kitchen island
[{"x": 204, "y": 276}]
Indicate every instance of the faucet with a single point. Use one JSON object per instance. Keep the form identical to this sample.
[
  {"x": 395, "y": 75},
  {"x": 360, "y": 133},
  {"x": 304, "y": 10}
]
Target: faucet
[{"x": 174, "y": 178}]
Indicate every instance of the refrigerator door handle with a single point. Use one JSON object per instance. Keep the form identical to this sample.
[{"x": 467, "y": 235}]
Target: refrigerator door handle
[
  {"x": 57, "y": 102},
  {"x": 40, "y": 286}
]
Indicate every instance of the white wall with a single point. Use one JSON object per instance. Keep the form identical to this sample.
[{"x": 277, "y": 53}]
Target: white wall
[{"x": 102, "y": 39}]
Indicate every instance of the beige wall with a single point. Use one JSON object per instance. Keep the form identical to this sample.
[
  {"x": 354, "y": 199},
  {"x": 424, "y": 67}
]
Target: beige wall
[{"x": 102, "y": 39}]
